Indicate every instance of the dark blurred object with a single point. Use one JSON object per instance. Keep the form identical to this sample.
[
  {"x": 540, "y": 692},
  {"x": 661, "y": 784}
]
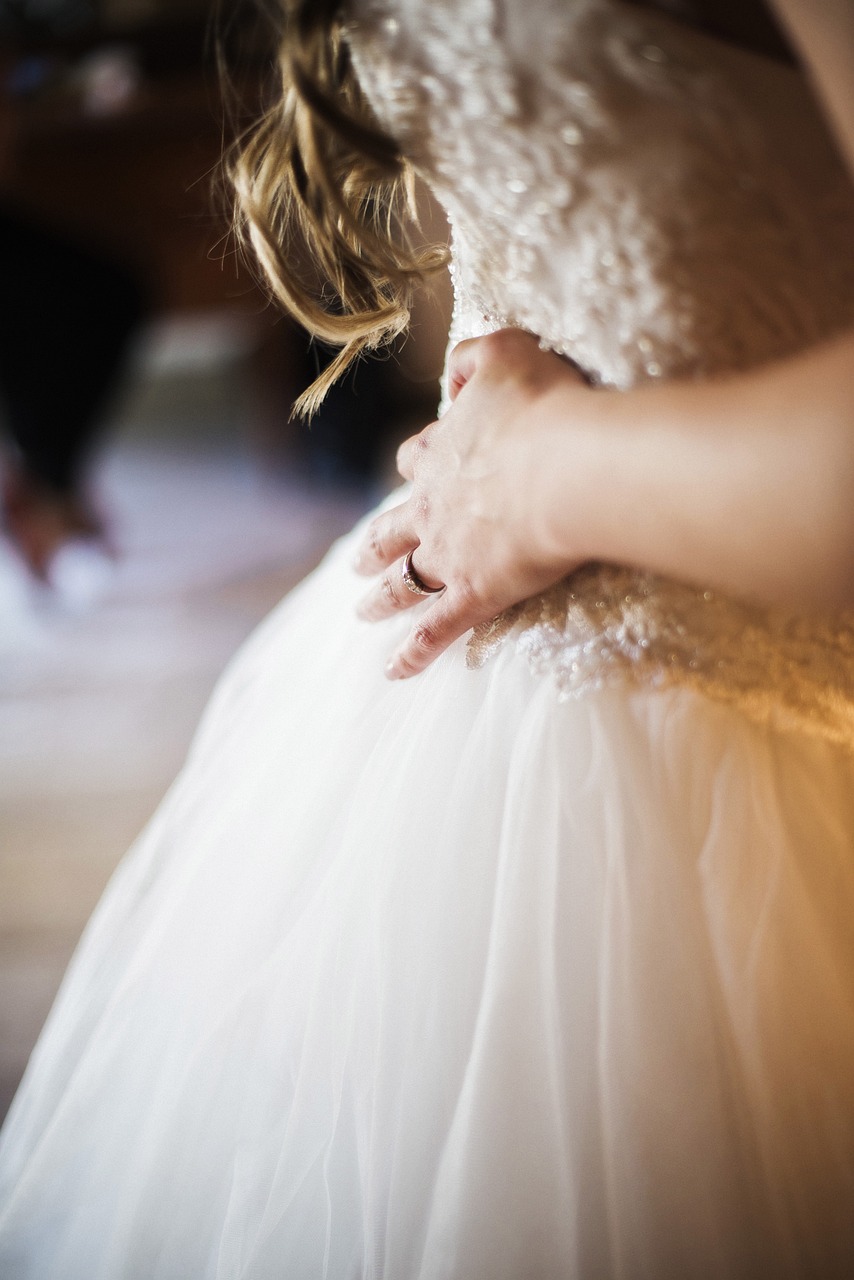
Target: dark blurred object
[
  {"x": 119, "y": 133},
  {"x": 751, "y": 24},
  {"x": 24, "y": 18},
  {"x": 67, "y": 314},
  {"x": 364, "y": 415},
  {"x": 59, "y": 19}
]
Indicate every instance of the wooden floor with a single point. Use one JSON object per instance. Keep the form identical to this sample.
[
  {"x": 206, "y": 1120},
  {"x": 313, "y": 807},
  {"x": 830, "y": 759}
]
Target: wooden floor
[{"x": 98, "y": 702}]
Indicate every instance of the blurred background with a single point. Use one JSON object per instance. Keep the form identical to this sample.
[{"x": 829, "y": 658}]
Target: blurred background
[{"x": 156, "y": 499}]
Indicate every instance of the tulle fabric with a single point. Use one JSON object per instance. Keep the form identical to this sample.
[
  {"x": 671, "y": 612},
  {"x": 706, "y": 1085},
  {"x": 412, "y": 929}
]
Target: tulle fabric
[{"x": 448, "y": 978}]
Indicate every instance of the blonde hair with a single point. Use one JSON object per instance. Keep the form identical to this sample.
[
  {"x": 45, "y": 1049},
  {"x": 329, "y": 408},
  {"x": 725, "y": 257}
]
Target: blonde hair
[{"x": 324, "y": 198}]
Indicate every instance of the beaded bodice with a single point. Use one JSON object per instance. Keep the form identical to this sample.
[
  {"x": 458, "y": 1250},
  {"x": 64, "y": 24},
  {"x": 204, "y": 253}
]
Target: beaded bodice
[{"x": 652, "y": 203}]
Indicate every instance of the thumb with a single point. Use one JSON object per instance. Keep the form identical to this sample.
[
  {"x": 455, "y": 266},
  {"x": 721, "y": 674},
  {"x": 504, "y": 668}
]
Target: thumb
[
  {"x": 463, "y": 363},
  {"x": 474, "y": 354}
]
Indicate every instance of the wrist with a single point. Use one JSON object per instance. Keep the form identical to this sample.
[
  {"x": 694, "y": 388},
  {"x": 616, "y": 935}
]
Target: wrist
[{"x": 579, "y": 456}]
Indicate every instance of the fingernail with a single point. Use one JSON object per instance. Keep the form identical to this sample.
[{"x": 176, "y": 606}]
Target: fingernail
[{"x": 392, "y": 670}]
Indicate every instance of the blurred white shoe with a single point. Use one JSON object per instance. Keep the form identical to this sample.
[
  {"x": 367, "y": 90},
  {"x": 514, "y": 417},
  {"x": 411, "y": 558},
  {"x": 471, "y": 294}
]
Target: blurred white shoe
[
  {"x": 79, "y": 573},
  {"x": 18, "y": 626}
]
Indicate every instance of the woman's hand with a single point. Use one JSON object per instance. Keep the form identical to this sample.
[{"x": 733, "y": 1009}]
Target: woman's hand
[
  {"x": 482, "y": 515},
  {"x": 741, "y": 483}
]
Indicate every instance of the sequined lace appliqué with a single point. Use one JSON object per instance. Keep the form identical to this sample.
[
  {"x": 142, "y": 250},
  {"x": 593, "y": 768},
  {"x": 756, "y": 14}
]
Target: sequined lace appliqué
[
  {"x": 610, "y": 190},
  {"x": 609, "y": 625}
]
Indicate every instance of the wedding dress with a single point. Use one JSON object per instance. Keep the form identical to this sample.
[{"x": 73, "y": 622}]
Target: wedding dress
[{"x": 539, "y": 965}]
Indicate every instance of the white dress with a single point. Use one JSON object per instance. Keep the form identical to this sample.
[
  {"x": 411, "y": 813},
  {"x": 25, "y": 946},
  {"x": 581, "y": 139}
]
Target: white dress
[{"x": 539, "y": 966}]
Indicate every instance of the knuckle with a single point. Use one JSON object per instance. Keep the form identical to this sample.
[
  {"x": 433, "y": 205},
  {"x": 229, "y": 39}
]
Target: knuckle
[
  {"x": 421, "y": 503},
  {"x": 467, "y": 595},
  {"x": 505, "y": 347},
  {"x": 375, "y": 541},
  {"x": 426, "y": 637},
  {"x": 388, "y": 592},
  {"x": 497, "y": 344},
  {"x": 460, "y": 349},
  {"x": 494, "y": 342},
  {"x": 419, "y": 446},
  {"x": 411, "y": 453},
  {"x": 403, "y": 456},
  {"x": 406, "y": 664},
  {"x": 407, "y": 450}
]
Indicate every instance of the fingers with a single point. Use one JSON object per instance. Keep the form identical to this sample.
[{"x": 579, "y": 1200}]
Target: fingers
[
  {"x": 462, "y": 364},
  {"x": 473, "y": 354},
  {"x": 388, "y": 538},
  {"x": 437, "y": 627},
  {"x": 391, "y": 594},
  {"x": 413, "y": 449},
  {"x": 406, "y": 457}
]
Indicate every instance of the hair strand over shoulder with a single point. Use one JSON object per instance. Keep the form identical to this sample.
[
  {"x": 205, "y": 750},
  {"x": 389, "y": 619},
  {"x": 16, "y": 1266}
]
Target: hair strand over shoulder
[{"x": 324, "y": 198}]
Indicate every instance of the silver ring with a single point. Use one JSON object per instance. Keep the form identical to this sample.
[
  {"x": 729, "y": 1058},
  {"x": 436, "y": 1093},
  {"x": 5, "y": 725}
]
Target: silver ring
[{"x": 413, "y": 580}]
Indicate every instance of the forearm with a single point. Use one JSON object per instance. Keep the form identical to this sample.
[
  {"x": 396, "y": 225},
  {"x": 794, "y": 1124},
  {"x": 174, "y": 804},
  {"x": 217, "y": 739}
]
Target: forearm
[{"x": 746, "y": 484}]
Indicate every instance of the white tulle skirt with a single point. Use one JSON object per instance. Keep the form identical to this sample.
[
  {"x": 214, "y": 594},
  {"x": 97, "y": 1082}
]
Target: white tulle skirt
[{"x": 450, "y": 979}]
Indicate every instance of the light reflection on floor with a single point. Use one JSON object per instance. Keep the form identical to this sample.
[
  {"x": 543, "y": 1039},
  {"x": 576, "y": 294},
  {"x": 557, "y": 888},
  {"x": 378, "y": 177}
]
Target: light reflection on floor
[{"x": 97, "y": 705}]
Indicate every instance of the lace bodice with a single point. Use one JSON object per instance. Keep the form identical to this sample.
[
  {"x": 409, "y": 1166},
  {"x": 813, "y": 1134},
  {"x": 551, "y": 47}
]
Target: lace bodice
[{"x": 652, "y": 203}]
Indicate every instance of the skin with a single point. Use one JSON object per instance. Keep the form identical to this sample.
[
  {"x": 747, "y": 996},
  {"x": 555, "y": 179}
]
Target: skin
[{"x": 531, "y": 473}]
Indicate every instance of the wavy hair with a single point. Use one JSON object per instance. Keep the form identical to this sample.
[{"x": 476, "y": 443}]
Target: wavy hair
[{"x": 324, "y": 198}]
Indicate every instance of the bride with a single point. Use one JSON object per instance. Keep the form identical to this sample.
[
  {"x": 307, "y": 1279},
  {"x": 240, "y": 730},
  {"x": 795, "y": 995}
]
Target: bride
[{"x": 537, "y": 959}]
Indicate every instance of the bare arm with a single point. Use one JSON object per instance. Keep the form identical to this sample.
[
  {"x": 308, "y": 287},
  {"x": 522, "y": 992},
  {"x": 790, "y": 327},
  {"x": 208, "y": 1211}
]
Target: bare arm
[
  {"x": 745, "y": 483},
  {"x": 763, "y": 465}
]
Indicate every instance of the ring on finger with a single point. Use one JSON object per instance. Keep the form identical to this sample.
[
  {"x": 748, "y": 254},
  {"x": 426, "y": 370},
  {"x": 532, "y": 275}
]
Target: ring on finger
[{"x": 413, "y": 580}]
